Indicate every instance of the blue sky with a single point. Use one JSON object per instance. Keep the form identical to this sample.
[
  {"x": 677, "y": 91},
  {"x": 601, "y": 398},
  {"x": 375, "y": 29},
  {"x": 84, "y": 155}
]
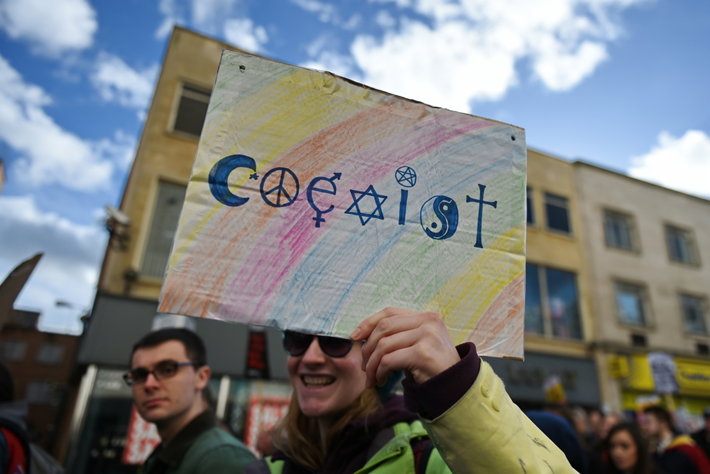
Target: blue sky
[{"x": 620, "y": 83}]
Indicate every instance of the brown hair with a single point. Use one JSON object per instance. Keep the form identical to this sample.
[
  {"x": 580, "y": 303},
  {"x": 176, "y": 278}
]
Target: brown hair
[{"x": 299, "y": 438}]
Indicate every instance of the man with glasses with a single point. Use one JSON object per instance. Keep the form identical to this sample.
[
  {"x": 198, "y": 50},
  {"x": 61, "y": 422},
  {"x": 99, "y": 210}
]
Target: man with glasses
[{"x": 169, "y": 376}]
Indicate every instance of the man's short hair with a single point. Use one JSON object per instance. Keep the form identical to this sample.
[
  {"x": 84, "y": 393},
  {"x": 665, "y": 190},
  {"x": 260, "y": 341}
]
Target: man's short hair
[
  {"x": 194, "y": 346},
  {"x": 661, "y": 414}
]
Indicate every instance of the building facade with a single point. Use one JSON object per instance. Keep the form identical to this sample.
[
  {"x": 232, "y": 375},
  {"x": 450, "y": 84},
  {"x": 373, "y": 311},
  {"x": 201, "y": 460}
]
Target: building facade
[
  {"x": 249, "y": 384},
  {"x": 42, "y": 366},
  {"x": 583, "y": 288},
  {"x": 648, "y": 254},
  {"x": 558, "y": 330}
]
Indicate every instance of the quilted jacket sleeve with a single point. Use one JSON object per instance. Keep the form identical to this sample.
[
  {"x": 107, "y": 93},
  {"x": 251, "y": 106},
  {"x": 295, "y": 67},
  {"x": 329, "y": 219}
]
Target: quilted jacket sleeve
[{"x": 484, "y": 431}]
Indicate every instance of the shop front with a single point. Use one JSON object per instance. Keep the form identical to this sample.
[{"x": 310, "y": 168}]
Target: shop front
[
  {"x": 689, "y": 396},
  {"x": 249, "y": 388},
  {"x": 525, "y": 381}
]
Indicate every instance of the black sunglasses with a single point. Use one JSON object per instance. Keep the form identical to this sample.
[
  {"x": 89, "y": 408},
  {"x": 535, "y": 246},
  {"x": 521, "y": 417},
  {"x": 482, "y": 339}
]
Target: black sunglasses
[
  {"x": 163, "y": 370},
  {"x": 297, "y": 343}
]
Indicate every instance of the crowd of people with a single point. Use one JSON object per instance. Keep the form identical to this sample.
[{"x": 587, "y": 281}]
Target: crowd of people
[
  {"x": 344, "y": 416},
  {"x": 642, "y": 442}
]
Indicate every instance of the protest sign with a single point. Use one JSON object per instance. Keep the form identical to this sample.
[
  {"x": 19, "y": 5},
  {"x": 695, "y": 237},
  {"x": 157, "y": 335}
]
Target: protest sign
[{"x": 315, "y": 201}]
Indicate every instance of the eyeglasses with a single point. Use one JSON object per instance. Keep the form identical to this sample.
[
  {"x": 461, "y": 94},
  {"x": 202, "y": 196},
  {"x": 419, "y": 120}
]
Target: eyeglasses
[
  {"x": 163, "y": 370},
  {"x": 297, "y": 343}
]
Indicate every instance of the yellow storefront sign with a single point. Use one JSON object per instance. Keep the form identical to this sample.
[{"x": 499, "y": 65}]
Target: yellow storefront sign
[{"x": 693, "y": 375}]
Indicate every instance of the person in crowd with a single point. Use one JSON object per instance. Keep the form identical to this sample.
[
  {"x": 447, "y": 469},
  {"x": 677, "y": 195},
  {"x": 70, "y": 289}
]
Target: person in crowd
[
  {"x": 14, "y": 445},
  {"x": 343, "y": 416},
  {"x": 18, "y": 454},
  {"x": 702, "y": 436},
  {"x": 672, "y": 452},
  {"x": 562, "y": 433},
  {"x": 168, "y": 377},
  {"x": 626, "y": 451}
]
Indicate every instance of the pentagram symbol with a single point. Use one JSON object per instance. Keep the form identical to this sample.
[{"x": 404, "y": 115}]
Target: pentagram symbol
[
  {"x": 406, "y": 176},
  {"x": 280, "y": 193},
  {"x": 377, "y": 200}
]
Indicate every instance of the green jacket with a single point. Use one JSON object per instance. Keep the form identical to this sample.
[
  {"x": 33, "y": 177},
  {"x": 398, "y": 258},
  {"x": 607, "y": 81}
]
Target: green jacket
[
  {"x": 395, "y": 457},
  {"x": 200, "y": 448}
]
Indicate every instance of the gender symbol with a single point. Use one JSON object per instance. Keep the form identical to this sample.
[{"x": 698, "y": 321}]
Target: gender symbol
[
  {"x": 406, "y": 176},
  {"x": 439, "y": 217},
  {"x": 330, "y": 190},
  {"x": 378, "y": 200},
  {"x": 282, "y": 194}
]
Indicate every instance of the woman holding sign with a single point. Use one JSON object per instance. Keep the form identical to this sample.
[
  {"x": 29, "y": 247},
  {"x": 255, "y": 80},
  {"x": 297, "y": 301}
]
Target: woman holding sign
[{"x": 342, "y": 418}]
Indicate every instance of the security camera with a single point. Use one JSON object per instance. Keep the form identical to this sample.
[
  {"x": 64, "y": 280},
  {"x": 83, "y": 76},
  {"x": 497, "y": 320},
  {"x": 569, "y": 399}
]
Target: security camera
[{"x": 117, "y": 216}]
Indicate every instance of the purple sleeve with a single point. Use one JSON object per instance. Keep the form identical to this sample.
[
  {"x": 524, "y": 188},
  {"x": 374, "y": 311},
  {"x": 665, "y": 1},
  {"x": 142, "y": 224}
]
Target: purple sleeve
[{"x": 433, "y": 397}]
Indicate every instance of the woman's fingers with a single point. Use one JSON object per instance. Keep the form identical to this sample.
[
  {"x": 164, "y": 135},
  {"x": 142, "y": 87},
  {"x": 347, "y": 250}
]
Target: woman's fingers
[{"x": 401, "y": 339}]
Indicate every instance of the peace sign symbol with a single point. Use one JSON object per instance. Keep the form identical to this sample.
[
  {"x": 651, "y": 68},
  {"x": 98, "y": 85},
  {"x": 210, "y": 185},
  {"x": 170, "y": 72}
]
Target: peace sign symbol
[{"x": 282, "y": 182}]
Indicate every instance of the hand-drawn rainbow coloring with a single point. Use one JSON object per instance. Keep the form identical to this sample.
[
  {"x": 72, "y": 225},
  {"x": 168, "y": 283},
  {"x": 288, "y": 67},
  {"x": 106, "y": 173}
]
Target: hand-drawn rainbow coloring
[{"x": 315, "y": 201}]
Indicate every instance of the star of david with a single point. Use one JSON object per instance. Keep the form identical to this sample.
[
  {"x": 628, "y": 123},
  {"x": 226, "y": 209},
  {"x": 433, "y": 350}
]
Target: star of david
[
  {"x": 406, "y": 176},
  {"x": 377, "y": 200}
]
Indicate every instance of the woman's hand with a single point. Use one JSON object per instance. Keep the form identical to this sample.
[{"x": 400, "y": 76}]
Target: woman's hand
[{"x": 401, "y": 339}]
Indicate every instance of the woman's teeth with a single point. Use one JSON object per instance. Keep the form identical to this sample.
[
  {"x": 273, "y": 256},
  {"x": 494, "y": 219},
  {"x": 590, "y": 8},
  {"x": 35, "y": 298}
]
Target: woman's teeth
[{"x": 317, "y": 380}]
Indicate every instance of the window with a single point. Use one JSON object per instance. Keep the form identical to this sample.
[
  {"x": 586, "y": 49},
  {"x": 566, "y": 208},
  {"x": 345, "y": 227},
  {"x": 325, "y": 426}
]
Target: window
[
  {"x": 41, "y": 392},
  {"x": 556, "y": 209},
  {"x": 681, "y": 247},
  {"x": 631, "y": 303},
  {"x": 551, "y": 302},
  {"x": 531, "y": 210},
  {"x": 50, "y": 353},
  {"x": 618, "y": 230},
  {"x": 162, "y": 229},
  {"x": 12, "y": 350},
  {"x": 694, "y": 310},
  {"x": 191, "y": 110}
]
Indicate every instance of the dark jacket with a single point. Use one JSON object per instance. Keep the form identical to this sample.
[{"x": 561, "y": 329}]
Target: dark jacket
[
  {"x": 201, "y": 447},
  {"x": 682, "y": 455},
  {"x": 702, "y": 439}
]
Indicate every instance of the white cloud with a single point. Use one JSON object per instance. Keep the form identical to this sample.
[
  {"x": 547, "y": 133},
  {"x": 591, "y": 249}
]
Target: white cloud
[
  {"x": 681, "y": 163},
  {"x": 172, "y": 15},
  {"x": 72, "y": 253},
  {"x": 117, "y": 82},
  {"x": 410, "y": 63},
  {"x": 208, "y": 15},
  {"x": 326, "y": 12},
  {"x": 243, "y": 33},
  {"x": 50, "y": 154},
  {"x": 214, "y": 17},
  {"x": 50, "y": 28},
  {"x": 385, "y": 19},
  {"x": 326, "y": 60},
  {"x": 562, "y": 70},
  {"x": 456, "y": 52}
]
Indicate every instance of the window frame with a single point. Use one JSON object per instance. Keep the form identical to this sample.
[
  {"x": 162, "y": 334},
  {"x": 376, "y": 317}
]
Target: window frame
[
  {"x": 530, "y": 207},
  {"x": 630, "y": 228},
  {"x": 642, "y": 291},
  {"x": 45, "y": 354},
  {"x": 192, "y": 91},
  {"x": 17, "y": 346},
  {"x": 688, "y": 238},
  {"x": 702, "y": 302},
  {"x": 563, "y": 203},
  {"x": 42, "y": 392},
  {"x": 548, "y": 328},
  {"x": 146, "y": 267}
]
